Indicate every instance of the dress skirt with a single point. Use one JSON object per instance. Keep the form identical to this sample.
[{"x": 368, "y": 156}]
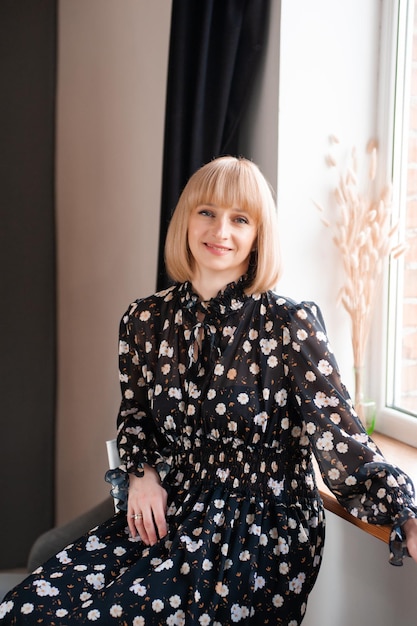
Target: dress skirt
[{"x": 233, "y": 555}]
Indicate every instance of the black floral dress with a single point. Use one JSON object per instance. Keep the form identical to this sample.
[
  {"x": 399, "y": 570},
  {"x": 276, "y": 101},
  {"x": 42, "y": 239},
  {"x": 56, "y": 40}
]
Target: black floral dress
[{"x": 227, "y": 400}]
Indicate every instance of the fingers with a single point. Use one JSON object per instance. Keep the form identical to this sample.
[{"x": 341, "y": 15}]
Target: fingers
[
  {"x": 133, "y": 524},
  {"x": 150, "y": 522},
  {"x": 150, "y": 526},
  {"x": 147, "y": 505}
]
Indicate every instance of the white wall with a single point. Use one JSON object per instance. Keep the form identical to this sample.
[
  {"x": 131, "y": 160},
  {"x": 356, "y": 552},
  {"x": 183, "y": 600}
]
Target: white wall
[
  {"x": 356, "y": 584},
  {"x": 328, "y": 85},
  {"x": 111, "y": 100}
]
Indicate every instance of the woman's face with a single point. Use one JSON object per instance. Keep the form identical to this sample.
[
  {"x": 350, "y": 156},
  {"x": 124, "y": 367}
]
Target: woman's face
[{"x": 221, "y": 240}]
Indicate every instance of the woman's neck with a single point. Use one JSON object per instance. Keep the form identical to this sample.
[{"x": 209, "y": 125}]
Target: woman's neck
[{"x": 208, "y": 287}]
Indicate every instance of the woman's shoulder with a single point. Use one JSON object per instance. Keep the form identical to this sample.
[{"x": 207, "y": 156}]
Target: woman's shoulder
[
  {"x": 150, "y": 305},
  {"x": 287, "y": 308},
  {"x": 278, "y": 300}
]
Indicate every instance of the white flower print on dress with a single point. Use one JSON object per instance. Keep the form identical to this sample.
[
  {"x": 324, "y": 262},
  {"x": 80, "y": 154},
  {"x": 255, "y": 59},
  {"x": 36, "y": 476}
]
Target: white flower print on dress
[
  {"x": 175, "y": 601},
  {"x": 63, "y": 557},
  {"x": 268, "y": 345},
  {"x": 144, "y": 316},
  {"x": 321, "y": 400},
  {"x": 286, "y": 336},
  {"x": 44, "y": 588},
  {"x": 6, "y": 607},
  {"x": 324, "y": 367},
  {"x": 176, "y": 619},
  {"x": 333, "y": 474},
  {"x": 351, "y": 480},
  {"x": 157, "y": 606},
  {"x": 281, "y": 397},
  {"x": 325, "y": 442},
  {"x": 243, "y": 398},
  {"x": 167, "y": 564},
  {"x": 239, "y": 612},
  {"x": 302, "y": 335},
  {"x": 259, "y": 582},
  {"x": 192, "y": 546},
  {"x": 222, "y": 589},
  {"x": 138, "y": 588},
  {"x": 261, "y": 420},
  {"x": 278, "y": 600},
  {"x": 297, "y": 583},
  {"x": 116, "y": 610},
  {"x": 96, "y": 580},
  {"x": 123, "y": 347},
  {"x": 93, "y": 543},
  {"x": 165, "y": 349}
]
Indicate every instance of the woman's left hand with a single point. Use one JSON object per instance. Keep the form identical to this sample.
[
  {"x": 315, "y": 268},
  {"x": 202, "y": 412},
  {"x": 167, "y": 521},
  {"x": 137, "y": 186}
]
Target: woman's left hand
[{"x": 410, "y": 529}]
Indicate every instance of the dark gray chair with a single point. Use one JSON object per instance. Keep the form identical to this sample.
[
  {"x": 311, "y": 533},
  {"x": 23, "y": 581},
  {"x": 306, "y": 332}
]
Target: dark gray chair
[{"x": 55, "y": 539}]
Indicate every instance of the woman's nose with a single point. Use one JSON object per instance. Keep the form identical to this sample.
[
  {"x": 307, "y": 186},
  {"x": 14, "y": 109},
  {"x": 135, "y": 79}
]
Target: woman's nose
[{"x": 221, "y": 229}]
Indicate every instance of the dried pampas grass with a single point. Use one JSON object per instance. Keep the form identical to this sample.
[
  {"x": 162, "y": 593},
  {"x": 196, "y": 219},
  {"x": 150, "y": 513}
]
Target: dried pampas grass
[{"x": 365, "y": 236}]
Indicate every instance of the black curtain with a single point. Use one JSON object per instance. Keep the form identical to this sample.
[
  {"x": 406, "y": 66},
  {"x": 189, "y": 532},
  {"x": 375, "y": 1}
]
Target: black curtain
[
  {"x": 215, "y": 50},
  {"x": 27, "y": 262}
]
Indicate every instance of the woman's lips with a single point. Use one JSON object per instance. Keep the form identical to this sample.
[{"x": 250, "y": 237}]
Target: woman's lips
[{"x": 216, "y": 248}]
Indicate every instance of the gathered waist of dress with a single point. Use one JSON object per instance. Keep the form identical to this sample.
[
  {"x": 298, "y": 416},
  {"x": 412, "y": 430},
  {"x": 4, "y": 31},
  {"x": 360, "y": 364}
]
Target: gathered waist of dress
[{"x": 245, "y": 468}]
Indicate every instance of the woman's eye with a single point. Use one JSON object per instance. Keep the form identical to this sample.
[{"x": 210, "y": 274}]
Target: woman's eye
[
  {"x": 205, "y": 212},
  {"x": 242, "y": 220}
]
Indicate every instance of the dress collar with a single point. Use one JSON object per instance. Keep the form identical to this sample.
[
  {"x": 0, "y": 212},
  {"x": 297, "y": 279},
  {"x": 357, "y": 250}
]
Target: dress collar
[{"x": 228, "y": 300}]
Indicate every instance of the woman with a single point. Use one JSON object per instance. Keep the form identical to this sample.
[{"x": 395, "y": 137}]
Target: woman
[{"x": 227, "y": 389}]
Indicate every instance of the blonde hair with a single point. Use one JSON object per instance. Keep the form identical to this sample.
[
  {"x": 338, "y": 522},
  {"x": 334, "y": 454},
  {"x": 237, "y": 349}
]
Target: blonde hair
[{"x": 226, "y": 182}]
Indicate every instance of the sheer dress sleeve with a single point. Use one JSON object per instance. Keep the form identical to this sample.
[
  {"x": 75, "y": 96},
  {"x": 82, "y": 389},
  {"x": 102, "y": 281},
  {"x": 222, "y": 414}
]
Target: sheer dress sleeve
[
  {"x": 352, "y": 466},
  {"x": 138, "y": 440}
]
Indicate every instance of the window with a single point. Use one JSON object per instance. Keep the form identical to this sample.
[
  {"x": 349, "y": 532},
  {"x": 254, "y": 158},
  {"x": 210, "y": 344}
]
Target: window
[{"x": 399, "y": 121}]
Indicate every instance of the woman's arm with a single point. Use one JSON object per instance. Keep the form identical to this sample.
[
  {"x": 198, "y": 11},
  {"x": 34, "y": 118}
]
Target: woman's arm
[{"x": 352, "y": 466}]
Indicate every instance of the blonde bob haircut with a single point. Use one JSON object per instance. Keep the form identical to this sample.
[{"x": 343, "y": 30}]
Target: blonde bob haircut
[{"x": 228, "y": 182}]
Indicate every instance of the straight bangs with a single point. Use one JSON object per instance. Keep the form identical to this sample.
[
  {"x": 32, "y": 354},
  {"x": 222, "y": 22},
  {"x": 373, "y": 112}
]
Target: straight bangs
[{"x": 228, "y": 182}]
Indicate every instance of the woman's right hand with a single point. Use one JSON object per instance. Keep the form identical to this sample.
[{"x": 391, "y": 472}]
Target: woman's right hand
[{"x": 148, "y": 502}]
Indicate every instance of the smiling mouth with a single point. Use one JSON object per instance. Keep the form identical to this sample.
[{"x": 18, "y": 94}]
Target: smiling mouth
[{"x": 216, "y": 248}]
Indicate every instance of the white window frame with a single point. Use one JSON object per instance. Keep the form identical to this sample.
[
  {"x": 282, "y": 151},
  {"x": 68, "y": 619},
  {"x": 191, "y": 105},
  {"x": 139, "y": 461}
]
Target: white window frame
[{"x": 391, "y": 422}]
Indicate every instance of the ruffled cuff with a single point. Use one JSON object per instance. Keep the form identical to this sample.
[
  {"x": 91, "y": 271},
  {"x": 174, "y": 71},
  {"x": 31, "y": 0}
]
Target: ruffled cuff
[
  {"x": 119, "y": 478},
  {"x": 397, "y": 545},
  {"x": 119, "y": 481}
]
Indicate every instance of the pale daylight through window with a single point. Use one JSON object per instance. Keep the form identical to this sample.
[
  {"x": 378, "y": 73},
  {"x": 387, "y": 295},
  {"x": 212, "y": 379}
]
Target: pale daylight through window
[{"x": 402, "y": 326}]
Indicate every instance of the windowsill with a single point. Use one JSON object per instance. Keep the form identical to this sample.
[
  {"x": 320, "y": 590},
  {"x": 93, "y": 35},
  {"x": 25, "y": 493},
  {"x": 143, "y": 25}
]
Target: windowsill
[{"x": 396, "y": 452}]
